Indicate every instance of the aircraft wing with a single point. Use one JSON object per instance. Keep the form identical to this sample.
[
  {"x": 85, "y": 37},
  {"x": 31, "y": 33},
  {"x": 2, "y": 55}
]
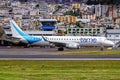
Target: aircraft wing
[
  {"x": 12, "y": 41},
  {"x": 56, "y": 43},
  {"x": 59, "y": 43},
  {"x": 14, "y": 38}
]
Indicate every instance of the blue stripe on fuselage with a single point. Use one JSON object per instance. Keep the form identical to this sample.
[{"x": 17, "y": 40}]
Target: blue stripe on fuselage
[{"x": 30, "y": 39}]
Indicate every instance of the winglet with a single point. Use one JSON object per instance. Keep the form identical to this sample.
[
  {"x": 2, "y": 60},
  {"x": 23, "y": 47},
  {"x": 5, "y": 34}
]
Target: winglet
[{"x": 44, "y": 38}]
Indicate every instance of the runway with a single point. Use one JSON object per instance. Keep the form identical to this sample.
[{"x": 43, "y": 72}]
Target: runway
[{"x": 47, "y": 54}]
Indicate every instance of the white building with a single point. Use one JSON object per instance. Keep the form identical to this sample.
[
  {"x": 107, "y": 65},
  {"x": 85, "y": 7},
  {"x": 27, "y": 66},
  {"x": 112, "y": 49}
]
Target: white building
[
  {"x": 15, "y": 3},
  {"x": 35, "y": 33},
  {"x": 113, "y": 35},
  {"x": 98, "y": 10},
  {"x": 85, "y": 31},
  {"x": 89, "y": 16}
]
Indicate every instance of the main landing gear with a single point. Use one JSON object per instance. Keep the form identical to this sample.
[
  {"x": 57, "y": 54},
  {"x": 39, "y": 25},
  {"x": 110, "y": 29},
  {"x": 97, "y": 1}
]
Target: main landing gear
[
  {"x": 102, "y": 48},
  {"x": 60, "y": 49},
  {"x": 78, "y": 47},
  {"x": 27, "y": 46}
]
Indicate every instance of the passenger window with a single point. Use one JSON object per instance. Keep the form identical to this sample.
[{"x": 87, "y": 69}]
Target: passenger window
[
  {"x": 117, "y": 35},
  {"x": 109, "y": 35}
]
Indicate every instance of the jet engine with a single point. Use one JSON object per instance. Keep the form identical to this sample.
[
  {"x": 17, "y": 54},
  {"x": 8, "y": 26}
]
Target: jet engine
[{"x": 73, "y": 46}]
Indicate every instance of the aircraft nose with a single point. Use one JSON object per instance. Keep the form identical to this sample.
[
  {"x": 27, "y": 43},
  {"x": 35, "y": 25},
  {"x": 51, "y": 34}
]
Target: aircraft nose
[{"x": 110, "y": 43}]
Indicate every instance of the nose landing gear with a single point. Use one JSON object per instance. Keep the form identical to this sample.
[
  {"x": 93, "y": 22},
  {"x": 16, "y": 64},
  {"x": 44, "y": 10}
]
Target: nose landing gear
[{"x": 60, "y": 49}]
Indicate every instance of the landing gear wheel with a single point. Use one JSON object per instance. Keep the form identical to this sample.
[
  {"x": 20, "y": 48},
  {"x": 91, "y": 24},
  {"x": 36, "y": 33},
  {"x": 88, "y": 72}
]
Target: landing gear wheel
[
  {"x": 78, "y": 47},
  {"x": 61, "y": 49},
  {"x": 27, "y": 46}
]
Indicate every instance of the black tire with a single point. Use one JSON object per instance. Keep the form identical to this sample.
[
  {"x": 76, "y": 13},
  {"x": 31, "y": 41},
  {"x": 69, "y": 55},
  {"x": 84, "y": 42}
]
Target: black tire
[
  {"x": 78, "y": 47},
  {"x": 61, "y": 49},
  {"x": 27, "y": 46}
]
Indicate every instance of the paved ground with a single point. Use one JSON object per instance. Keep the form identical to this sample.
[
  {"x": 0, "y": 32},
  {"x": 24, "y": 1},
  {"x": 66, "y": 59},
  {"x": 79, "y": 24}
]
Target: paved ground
[
  {"x": 47, "y": 54},
  {"x": 29, "y": 51}
]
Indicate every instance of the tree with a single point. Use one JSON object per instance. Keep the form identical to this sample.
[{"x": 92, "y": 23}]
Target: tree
[
  {"x": 37, "y": 6},
  {"x": 78, "y": 24}
]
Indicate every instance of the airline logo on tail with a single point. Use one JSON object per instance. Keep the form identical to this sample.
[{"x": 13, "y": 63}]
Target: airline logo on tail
[{"x": 16, "y": 30}]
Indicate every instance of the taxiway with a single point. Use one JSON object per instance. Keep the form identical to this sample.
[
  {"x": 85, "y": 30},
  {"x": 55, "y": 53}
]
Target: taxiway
[{"x": 48, "y": 54}]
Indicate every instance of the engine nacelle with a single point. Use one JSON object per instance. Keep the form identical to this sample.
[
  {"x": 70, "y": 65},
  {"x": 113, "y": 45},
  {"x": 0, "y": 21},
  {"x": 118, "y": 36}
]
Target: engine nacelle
[{"x": 73, "y": 46}]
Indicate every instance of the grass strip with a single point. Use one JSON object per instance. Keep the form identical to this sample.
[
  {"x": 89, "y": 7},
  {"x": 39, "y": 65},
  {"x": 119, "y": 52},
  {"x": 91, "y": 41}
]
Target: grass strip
[{"x": 59, "y": 70}]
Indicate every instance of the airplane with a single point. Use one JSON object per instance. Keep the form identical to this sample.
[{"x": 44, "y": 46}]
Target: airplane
[
  {"x": 72, "y": 42},
  {"x": 8, "y": 39},
  {"x": 2, "y": 34}
]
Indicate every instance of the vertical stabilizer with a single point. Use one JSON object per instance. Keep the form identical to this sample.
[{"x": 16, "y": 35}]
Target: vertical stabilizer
[{"x": 16, "y": 31}]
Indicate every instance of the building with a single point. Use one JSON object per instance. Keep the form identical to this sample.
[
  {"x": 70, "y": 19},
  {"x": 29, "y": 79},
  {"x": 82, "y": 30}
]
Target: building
[
  {"x": 113, "y": 35},
  {"x": 89, "y": 16},
  {"x": 34, "y": 32},
  {"x": 117, "y": 20},
  {"x": 75, "y": 5},
  {"x": 85, "y": 31},
  {"x": 64, "y": 1},
  {"x": 48, "y": 24},
  {"x": 68, "y": 19}
]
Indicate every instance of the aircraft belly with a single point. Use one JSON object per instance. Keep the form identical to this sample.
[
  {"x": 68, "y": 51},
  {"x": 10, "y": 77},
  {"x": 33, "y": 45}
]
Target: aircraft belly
[
  {"x": 89, "y": 44},
  {"x": 40, "y": 43}
]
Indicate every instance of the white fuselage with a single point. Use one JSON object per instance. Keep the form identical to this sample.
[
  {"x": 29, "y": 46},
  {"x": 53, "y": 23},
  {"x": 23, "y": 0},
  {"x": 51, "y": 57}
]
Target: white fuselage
[{"x": 81, "y": 40}]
